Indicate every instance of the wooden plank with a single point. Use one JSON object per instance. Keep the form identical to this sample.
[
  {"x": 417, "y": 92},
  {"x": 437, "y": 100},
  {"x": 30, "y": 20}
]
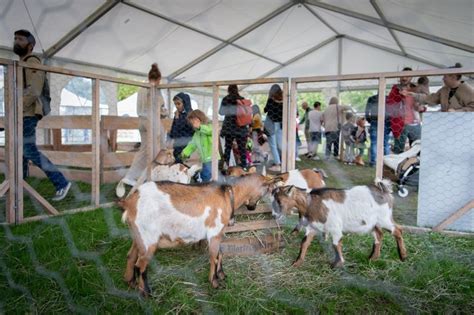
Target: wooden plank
[
  {"x": 57, "y": 139},
  {"x": 117, "y": 159},
  {"x": 18, "y": 160},
  {"x": 261, "y": 208},
  {"x": 4, "y": 187},
  {"x": 10, "y": 144},
  {"x": 376, "y": 75},
  {"x": 422, "y": 230},
  {"x": 453, "y": 217},
  {"x": 113, "y": 176},
  {"x": 149, "y": 139},
  {"x": 215, "y": 134},
  {"x": 76, "y": 159},
  {"x": 127, "y": 146},
  {"x": 69, "y": 212},
  {"x": 68, "y": 148},
  {"x": 251, "y": 226},
  {"x": 83, "y": 74},
  {"x": 71, "y": 174},
  {"x": 250, "y": 246},
  {"x": 117, "y": 122},
  {"x": 96, "y": 166},
  {"x": 293, "y": 108},
  {"x": 285, "y": 126},
  {"x": 65, "y": 122},
  {"x": 48, "y": 207},
  {"x": 380, "y": 128},
  {"x": 156, "y": 121}
]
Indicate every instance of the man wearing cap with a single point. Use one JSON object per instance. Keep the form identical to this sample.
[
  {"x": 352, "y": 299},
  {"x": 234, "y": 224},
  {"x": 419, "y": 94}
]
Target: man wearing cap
[{"x": 33, "y": 82}]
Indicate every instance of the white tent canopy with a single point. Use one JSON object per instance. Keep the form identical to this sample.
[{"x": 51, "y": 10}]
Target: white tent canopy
[{"x": 202, "y": 40}]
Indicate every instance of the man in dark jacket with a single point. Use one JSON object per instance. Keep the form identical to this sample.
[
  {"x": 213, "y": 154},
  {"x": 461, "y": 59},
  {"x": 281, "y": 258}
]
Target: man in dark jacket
[
  {"x": 371, "y": 115},
  {"x": 181, "y": 131},
  {"x": 24, "y": 43}
]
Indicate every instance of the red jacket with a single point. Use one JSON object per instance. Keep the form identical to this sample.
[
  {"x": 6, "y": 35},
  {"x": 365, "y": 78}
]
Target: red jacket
[{"x": 395, "y": 110}]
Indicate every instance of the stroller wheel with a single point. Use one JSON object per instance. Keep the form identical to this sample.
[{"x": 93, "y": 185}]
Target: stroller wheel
[{"x": 402, "y": 192}]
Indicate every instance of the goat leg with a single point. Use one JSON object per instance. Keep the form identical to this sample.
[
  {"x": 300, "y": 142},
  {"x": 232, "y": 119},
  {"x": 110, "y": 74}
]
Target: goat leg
[
  {"x": 303, "y": 249},
  {"x": 378, "y": 236},
  {"x": 402, "y": 252},
  {"x": 220, "y": 270},
  {"x": 338, "y": 260}
]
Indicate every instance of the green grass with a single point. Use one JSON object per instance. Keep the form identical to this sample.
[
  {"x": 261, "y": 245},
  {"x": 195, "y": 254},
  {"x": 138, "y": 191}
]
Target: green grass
[{"x": 75, "y": 263}]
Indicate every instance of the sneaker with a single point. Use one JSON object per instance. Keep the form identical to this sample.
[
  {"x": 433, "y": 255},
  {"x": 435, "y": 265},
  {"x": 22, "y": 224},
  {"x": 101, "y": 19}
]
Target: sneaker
[
  {"x": 120, "y": 189},
  {"x": 275, "y": 168},
  {"x": 61, "y": 193},
  {"x": 315, "y": 158}
]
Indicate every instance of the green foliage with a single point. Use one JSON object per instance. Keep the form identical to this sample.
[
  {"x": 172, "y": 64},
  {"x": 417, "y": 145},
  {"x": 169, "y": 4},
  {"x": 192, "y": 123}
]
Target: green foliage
[
  {"x": 357, "y": 99},
  {"x": 311, "y": 98},
  {"x": 125, "y": 91}
]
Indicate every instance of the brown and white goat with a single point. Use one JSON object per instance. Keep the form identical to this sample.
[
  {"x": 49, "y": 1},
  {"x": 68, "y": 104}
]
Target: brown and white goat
[
  {"x": 307, "y": 179},
  {"x": 166, "y": 214},
  {"x": 361, "y": 209}
]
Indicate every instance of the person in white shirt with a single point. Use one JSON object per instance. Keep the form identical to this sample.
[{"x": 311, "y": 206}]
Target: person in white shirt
[{"x": 315, "y": 118}]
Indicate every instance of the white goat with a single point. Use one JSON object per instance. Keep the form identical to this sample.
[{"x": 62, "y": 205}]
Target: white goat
[{"x": 361, "y": 209}]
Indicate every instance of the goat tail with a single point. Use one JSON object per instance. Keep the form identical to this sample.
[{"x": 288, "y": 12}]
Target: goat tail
[
  {"x": 385, "y": 185},
  {"x": 320, "y": 171}
]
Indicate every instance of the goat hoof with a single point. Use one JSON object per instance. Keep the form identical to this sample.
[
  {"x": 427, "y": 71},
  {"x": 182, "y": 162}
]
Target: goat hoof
[
  {"x": 373, "y": 257},
  {"x": 145, "y": 292},
  {"x": 337, "y": 264},
  {"x": 131, "y": 284},
  {"x": 297, "y": 263},
  {"x": 215, "y": 283},
  {"x": 221, "y": 275}
]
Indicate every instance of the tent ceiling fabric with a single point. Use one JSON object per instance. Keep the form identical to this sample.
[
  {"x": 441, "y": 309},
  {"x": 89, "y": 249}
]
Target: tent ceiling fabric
[{"x": 290, "y": 43}]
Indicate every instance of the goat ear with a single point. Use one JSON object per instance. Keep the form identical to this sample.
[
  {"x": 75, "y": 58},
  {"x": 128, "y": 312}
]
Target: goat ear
[{"x": 252, "y": 170}]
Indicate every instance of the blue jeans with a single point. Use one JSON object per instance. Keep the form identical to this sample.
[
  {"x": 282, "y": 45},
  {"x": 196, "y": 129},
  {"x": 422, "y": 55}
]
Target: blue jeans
[
  {"x": 206, "y": 172},
  {"x": 373, "y": 141},
  {"x": 30, "y": 152},
  {"x": 412, "y": 132},
  {"x": 332, "y": 143},
  {"x": 275, "y": 142}
]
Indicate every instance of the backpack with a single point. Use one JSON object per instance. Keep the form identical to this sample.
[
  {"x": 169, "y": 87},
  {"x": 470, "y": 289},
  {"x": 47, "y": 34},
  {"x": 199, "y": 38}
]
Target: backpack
[
  {"x": 45, "y": 96},
  {"x": 243, "y": 116}
]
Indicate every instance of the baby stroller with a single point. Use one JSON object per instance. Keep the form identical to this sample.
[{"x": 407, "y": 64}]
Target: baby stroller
[{"x": 406, "y": 167}]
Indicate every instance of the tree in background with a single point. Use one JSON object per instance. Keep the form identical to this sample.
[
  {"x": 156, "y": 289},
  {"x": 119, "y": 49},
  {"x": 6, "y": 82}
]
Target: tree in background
[
  {"x": 125, "y": 91},
  {"x": 357, "y": 99}
]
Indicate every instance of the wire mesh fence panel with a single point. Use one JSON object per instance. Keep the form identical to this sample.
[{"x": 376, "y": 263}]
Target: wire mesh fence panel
[
  {"x": 64, "y": 138},
  {"x": 3, "y": 148},
  {"x": 124, "y": 129},
  {"x": 446, "y": 169}
]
